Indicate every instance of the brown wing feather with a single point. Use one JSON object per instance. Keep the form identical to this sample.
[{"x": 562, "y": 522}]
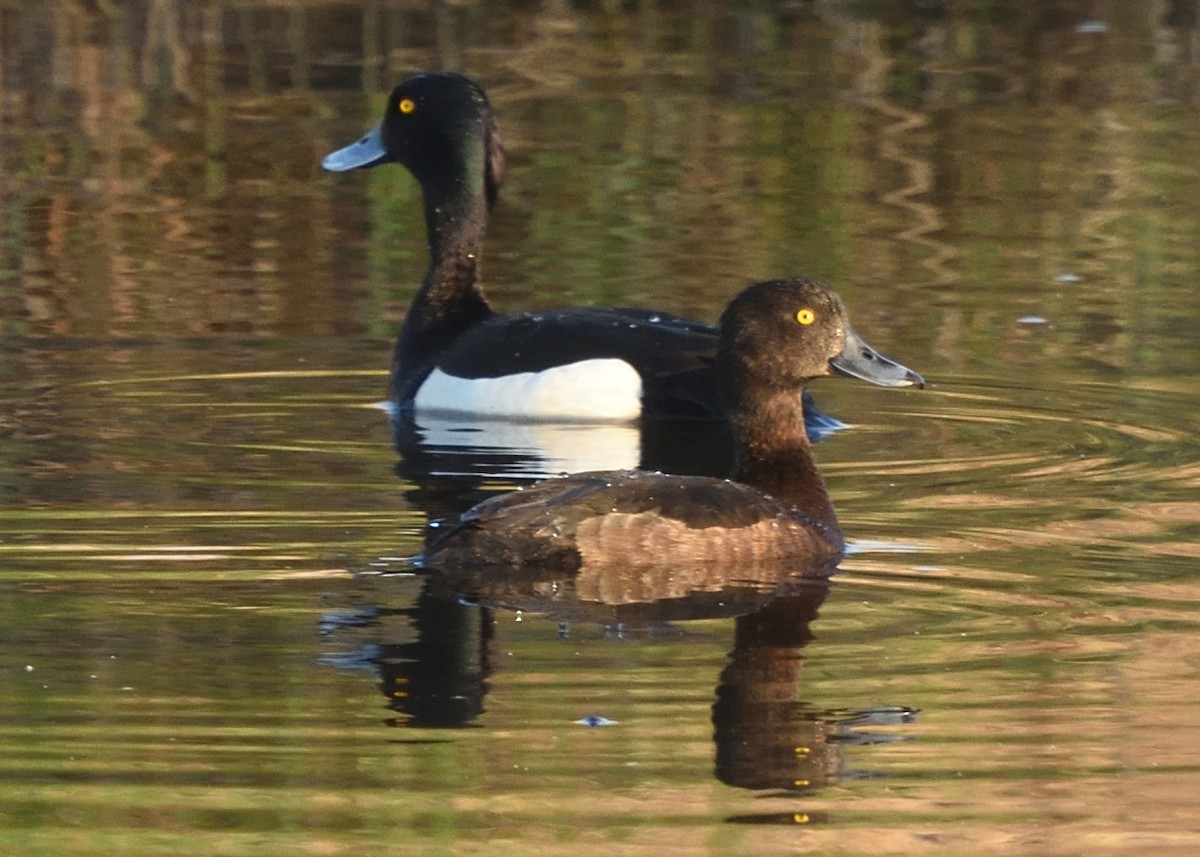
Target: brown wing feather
[{"x": 628, "y": 517}]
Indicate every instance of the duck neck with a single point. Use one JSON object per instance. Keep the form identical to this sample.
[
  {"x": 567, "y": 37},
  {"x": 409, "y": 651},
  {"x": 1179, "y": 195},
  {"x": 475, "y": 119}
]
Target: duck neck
[
  {"x": 774, "y": 455},
  {"x": 451, "y": 298}
]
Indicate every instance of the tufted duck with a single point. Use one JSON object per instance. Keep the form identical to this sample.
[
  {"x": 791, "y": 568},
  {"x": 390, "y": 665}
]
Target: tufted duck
[
  {"x": 455, "y": 355},
  {"x": 774, "y": 337}
]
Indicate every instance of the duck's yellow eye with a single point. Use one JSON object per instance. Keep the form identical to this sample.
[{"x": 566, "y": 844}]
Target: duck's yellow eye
[
  {"x": 806, "y": 316},
  {"x": 406, "y": 105}
]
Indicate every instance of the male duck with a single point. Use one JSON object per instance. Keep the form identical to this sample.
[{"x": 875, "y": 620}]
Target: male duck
[
  {"x": 455, "y": 354},
  {"x": 774, "y": 337}
]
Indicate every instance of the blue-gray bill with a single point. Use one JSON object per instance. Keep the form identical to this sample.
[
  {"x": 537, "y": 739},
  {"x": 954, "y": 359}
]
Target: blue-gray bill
[
  {"x": 366, "y": 152},
  {"x": 859, "y": 360}
]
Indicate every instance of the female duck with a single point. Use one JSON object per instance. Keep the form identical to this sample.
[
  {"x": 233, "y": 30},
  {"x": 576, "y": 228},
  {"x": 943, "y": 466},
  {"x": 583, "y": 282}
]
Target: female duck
[
  {"x": 774, "y": 337},
  {"x": 455, "y": 354}
]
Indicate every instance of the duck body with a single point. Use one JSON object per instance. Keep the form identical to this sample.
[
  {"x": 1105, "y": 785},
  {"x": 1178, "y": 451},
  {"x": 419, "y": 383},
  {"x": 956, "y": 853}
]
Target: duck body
[
  {"x": 593, "y": 364},
  {"x": 774, "y": 337},
  {"x": 630, "y": 518},
  {"x": 456, "y": 355}
]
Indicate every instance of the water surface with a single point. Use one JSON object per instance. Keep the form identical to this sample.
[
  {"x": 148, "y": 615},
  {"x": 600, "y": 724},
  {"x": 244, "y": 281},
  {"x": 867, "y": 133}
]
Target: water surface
[{"x": 212, "y": 644}]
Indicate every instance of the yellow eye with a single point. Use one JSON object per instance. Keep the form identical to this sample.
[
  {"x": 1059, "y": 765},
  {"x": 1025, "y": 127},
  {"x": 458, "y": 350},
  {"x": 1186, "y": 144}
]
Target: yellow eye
[
  {"x": 806, "y": 316},
  {"x": 406, "y": 105}
]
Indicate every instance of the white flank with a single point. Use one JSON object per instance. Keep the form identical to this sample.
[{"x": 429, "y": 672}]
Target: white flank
[{"x": 599, "y": 390}]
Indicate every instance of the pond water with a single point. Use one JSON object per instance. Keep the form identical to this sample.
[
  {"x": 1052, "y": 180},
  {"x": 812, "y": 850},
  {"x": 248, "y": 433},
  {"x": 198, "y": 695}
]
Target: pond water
[{"x": 211, "y": 642}]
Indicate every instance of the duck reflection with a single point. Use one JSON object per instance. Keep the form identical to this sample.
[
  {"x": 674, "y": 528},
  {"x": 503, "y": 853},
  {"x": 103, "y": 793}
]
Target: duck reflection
[
  {"x": 765, "y": 735},
  {"x": 433, "y": 660},
  {"x": 449, "y": 465},
  {"x": 442, "y": 454},
  {"x": 439, "y": 679}
]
